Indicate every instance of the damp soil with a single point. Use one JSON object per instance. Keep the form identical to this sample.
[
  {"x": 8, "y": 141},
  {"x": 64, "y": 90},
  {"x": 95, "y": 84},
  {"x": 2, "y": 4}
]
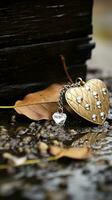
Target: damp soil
[{"x": 56, "y": 180}]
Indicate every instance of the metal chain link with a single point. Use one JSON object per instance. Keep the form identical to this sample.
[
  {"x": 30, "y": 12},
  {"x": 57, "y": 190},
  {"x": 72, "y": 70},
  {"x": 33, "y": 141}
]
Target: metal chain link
[
  {"x": 78, "y": 83},
  {"x": 65, "y": 88}
]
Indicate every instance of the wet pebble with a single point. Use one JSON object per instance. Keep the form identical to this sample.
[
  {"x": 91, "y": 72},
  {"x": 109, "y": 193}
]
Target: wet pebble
[
  {"x": 106, "y": 124},
  {"x": 21, "y": 131},
  {"x": 56, "y": 142},
  {"x": 109, "y": 117},
  {"x": 32, "y": 125},
  {"x": 4, "y": 137},
  {"x": 42, "y": 147},
  {"x": 27, "y": 140},
  {"x": 7, "y": 146},
  {"x": 51, "y": 135},
  {"x": 13, "y": 119},
  {"x": 3, "y": 130},
  {"x": 20, "y": 149},
  {"x": 73, "y": 132},
  {"x": 27, "y": 149}
]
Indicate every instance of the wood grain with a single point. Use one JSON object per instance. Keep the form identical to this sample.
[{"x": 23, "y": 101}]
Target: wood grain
[{"x": 32, "y": 36}]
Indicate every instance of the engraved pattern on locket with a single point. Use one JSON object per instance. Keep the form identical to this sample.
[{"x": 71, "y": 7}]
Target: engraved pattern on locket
[{"x": 90, "y": 100}]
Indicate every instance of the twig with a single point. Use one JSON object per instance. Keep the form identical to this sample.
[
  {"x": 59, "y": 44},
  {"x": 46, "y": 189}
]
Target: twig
[{"x": 65, "y": 68}]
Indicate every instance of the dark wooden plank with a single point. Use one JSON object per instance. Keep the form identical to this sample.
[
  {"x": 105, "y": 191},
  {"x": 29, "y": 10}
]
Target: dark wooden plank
[
  {"x": 9, "y": 93},
  {"x": 39, "y": 65},
  {"x": 32, "y": 36},
  {"x": 41, "y": 61},
  {"x": 26, "y": 22}
]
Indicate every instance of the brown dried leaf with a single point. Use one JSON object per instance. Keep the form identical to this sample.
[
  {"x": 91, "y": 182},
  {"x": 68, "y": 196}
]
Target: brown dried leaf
[
  {"x": 40, "y": 105},
  {"x": 74, "y": 153}
]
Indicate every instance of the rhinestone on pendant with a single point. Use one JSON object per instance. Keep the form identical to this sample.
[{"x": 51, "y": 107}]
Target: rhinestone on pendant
[
  {"x": 104, "y": 90},
  {"x": 98, "y": 104},
  {"x": 87, "y": 87},
  {"x": 95, "y": 94},
  {"x": 102, "y": 115},
  {"x": 87, "y": 106},
  {"x": 79, "y": 99},
  {"x": 94, "y": 117},
  {"x": 59, "y": 118}
]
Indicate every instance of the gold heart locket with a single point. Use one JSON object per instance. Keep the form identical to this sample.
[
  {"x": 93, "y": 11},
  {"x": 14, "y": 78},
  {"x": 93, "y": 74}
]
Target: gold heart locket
[{"x": 90, "y": 100}]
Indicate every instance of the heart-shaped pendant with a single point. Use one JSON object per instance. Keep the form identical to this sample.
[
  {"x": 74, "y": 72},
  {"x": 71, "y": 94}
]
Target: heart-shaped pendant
[
  {"x": 89, "y": 100},
  {"x": 59, "y": 118}
]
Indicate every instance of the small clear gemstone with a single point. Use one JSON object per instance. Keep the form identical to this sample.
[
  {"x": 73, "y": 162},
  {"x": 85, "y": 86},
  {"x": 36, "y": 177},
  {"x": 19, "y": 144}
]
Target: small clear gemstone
[
  {"x": 102, "y": 115},
  {"x": 79, "y": 99},
  {"x": 95, "y": 94},
  {"x": 87, "y": 87},
  {"x": 98, "y": 103},
  {"x": 94, "y": 117},
  {"x": 59, "y": 118},
  {"x": 87, "y": 106},
  {"x": 104, "y": 90}
]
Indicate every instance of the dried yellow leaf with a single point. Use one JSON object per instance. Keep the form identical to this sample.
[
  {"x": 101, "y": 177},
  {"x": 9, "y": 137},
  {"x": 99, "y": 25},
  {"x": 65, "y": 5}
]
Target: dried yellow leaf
[{"x": 73, "y": 153}]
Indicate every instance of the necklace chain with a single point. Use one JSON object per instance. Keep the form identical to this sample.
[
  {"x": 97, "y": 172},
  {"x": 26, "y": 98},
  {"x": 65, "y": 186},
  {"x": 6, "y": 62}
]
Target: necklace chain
[
  {"x": 78, "y": 83},
  {"x": 65, "y": 88}
]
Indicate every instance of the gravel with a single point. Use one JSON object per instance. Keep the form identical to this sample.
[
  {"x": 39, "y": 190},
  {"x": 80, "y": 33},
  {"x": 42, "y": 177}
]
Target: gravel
[{"x": 57, "y": 180}]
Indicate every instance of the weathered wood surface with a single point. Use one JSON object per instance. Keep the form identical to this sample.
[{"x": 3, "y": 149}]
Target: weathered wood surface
[
  {"x": 24, "y": 22},
  {"x": 32, "y": 36}
]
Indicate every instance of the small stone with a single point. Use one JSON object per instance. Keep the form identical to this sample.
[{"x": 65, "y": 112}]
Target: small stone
[
  {"x": 3, "y": 137},
  {"x": 109, "y": 116},
  {"x": 21, "y": 144},
  {"x": 16, "y": 161},
  {"x": 59, "y": 118},
  {"x": 27, "y": 149},
  {"x": 51, "y": 135},
  {"x": 110, "y": 127},
  {"x": 21, "y": 132},
  {"x": 94, "y": 117},
  {"x": 27, "y": 139},
  {"x": 13, "y": 118},
  {"x": 106, "y": 124},
  {"x": 3, "y": 130},
  {"x": 42, "y": 146},
  {"x": 79, "y": 99},
  {"x": 73, "y": 132},
  {"x": 56, "y": 142},
  {"x": 7, "y": 146},
  {"x": 20, "y": 149}
]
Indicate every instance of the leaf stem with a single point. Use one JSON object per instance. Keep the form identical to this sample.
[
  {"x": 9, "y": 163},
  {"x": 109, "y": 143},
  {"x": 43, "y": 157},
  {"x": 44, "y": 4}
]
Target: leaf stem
[
  {"x": 7, "y": 107},
  {"x": 30, "y": 104},
  {"x": 27, "y": 162}
]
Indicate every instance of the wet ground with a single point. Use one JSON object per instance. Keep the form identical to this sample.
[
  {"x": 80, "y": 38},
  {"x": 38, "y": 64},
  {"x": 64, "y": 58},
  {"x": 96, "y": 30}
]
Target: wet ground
[{"x": 62, "y": 179}]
